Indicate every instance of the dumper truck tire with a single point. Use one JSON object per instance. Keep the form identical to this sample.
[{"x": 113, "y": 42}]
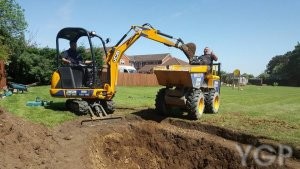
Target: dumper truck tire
[
  {"x": 108, "y": 105},
  {"x": 195, "y": 104},
  {"x": 212, "y": 102},
  {"x": 160, "y": 103}
]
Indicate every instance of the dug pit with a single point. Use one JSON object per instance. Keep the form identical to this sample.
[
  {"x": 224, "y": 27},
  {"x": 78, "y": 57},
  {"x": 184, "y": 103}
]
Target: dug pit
[
  {"x": 134, "y": 142},
  {"x": 152, "y": 145}
]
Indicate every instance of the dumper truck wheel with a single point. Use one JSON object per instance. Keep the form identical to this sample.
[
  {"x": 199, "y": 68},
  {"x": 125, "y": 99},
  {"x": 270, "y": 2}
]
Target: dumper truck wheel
[
  {"x": 108, "y": 105},
  {"x": 195, "y": 104},
  {"x": 212, "y": 102},
  {"x": 160, "y": 103}
]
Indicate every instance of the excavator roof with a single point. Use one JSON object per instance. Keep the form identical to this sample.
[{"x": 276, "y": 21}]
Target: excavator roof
[{"x": 72, "y": 34}]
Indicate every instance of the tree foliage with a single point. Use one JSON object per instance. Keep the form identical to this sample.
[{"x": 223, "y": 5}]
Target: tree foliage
[
  {"x": 276, "y": 67},
  {"x": 294, "y": 66},
  {"x": 27, "y": 63},
  {"x": 12, "y": 20},
  {"x": 12, "y": 27},
  {"x": 86, "y": 54},
  {"x": 35, "y": 65},
  {"x": 4, "y": 51},
  {"x": 12, "y": 39},
  {"x": 248, "y": 76},
  {"x": 284, "y": 69}
]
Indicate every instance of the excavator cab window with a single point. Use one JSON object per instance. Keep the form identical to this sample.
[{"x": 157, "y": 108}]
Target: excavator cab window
[{"x": 84, "y": 73}]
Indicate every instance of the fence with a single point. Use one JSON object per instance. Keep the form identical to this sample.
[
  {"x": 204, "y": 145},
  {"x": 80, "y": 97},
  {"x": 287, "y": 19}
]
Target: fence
[
  {"x": 136, "y": 79},
  {"x": 2, "y": 74}
]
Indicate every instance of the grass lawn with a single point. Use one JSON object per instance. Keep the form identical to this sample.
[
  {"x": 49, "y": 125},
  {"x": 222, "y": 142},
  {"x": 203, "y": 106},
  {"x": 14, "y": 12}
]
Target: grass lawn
[
  {"x": 16, "y": 104},
  {"x": 266, "y": 111}
]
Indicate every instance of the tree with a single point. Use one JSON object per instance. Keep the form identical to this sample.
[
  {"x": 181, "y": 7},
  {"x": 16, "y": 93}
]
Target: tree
[
  {"x": 35, "y": 65},
  {"x": 224, "y": 76},
  {"x": 277, "y": 63},
  {"x": 264, "y": 76},
  {"x": 293, "y": 66},
  {"x": 277, "y": 69},
  {"x": 248, "y": 76},
  {"x": 12, "y": 25},
  {"x": 12, "y": 20},
  {"x": 4, "y": 51},
  {"x": 285, "y": 68},
  {"x": 12, "y": 28},
  {"x": 86, "y": 55}
]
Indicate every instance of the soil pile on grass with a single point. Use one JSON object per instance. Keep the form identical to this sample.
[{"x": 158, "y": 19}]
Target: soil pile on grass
[
  {"x": 23, "y": 144},
  {"x": 129, "y": 143}
]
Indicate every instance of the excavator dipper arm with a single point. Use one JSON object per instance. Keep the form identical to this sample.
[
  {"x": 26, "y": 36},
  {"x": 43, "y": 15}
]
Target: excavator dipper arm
[{"x": 147, "y": 31}]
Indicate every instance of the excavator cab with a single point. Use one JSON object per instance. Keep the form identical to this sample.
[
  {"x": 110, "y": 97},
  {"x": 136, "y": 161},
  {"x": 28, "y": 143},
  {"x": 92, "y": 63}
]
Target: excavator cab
[
  {"x": 78, "y": 76},
  {"x": 81, "y": 83}
]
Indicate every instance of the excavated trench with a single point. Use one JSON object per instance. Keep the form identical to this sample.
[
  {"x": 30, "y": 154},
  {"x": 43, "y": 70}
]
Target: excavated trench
[
  {"x": 141, "y": 140},
  {"x": 152, "y": 145}
]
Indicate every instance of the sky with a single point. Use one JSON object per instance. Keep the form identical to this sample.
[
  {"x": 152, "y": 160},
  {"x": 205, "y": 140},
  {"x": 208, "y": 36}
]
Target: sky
[{"x": 245, "y": 34}]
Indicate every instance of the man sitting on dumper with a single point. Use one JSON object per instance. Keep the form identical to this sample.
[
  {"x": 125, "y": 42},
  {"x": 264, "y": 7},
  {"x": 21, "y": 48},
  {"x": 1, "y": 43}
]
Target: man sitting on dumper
[{"x": 206, "y": 59}]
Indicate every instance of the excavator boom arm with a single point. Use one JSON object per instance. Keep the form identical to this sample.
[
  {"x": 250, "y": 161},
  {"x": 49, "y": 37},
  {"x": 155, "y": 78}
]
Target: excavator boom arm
[{"x": 146, "y": 31}]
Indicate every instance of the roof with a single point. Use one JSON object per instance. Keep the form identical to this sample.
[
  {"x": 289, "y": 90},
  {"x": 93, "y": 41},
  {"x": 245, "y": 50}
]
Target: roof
[
  {"x": 149, "y": 57},
  {"x": 172, "y": 61},
  {"x": 72, "y": 34},
  {"x": 175, "y": 61},
  {"x": 109, "y": 48},
  {"x": 146, "y": 68}
]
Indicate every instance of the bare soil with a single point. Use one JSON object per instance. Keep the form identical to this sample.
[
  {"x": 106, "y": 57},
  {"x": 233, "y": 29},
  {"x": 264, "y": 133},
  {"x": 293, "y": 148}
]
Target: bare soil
[{"x": 140, "y": 140}]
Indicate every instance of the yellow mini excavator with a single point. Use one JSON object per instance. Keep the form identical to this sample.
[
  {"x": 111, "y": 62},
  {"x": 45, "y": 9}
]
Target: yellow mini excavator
[{"x": 69, "y": 81}]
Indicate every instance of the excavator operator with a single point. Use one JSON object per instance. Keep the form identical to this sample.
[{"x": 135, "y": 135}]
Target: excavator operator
[{"x": 71, "y": 56}]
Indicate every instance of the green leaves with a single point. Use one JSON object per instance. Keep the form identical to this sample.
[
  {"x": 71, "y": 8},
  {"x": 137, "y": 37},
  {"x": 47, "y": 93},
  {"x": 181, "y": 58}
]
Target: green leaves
[
  {"x": 86, "y": 54},
  {"x": 285, "y": 67},
  {"x": 4, "y": 52},
  {"x": 12, "y": 28},
  {"x": 12, "y": 20},
  {"x": 35, "y": 65}
]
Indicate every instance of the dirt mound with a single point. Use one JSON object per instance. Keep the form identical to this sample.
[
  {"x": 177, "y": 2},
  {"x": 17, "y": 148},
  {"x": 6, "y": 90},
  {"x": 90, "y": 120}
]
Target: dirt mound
[
  {"x": 149, "y": 145},
  {"x": 23, "y": 144},
  {"x": 130, "y": 143}
]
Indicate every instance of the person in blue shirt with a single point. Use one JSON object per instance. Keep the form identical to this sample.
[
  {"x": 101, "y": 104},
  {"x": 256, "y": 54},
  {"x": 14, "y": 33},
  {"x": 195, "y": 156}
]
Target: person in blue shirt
[{"x": 72, "y": 57}]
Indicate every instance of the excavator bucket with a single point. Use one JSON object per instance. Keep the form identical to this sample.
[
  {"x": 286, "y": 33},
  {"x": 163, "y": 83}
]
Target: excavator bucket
[{"x": 189, "y": 50}]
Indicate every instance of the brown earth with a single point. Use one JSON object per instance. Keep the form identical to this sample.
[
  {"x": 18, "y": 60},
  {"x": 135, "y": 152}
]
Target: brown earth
[{"x": 140, "y": 140}]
